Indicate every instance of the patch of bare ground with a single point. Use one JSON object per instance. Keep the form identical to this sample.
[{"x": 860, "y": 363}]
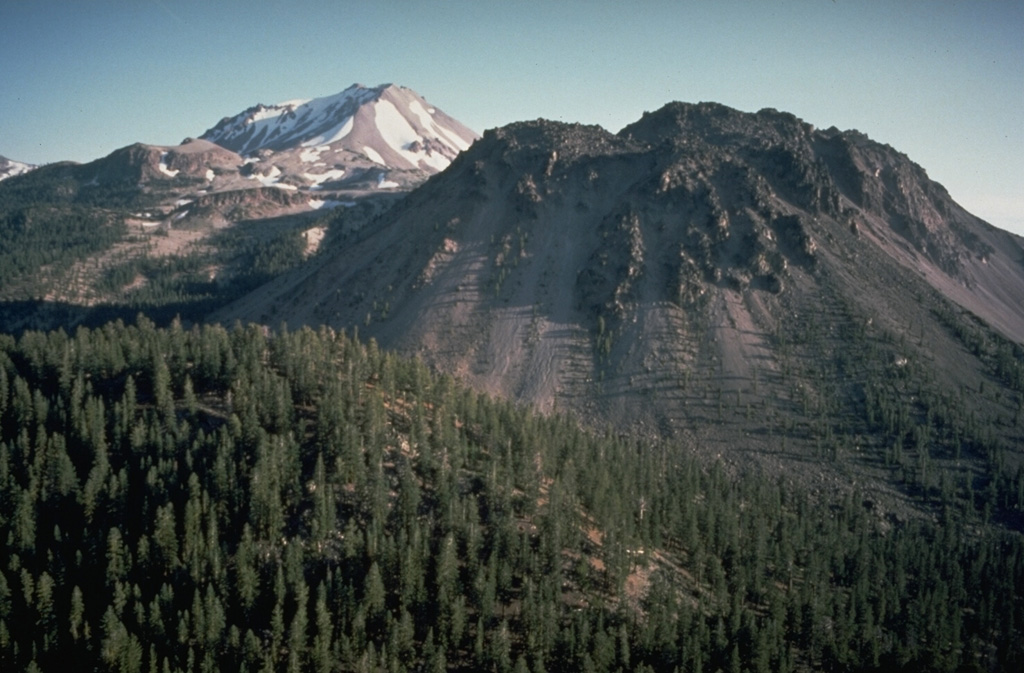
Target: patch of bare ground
[{"x": 637, "y": 584}]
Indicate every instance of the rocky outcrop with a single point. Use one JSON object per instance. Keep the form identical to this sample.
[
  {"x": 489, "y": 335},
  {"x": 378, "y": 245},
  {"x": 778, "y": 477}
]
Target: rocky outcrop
[{"x": 196, "y": 157}]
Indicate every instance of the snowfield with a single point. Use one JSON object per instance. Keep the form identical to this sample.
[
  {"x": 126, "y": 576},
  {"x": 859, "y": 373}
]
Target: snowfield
[
  {"x": 374, "y": 155},
  {"x": 311, "y": 155},
  {"x": 427, "y": 120},
  {"x": 298, "y": 122},
  {"x": 9, "y": 168},
  {"x": 399, "y": 134},
  {"x": 334, "y": 135},
  {"x": 268, "y": 180}
]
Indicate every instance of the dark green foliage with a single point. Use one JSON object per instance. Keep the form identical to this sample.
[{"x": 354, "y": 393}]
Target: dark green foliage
[
  {"x": 39, "y": 247},
  {"x": 50, "y": 238},
  {"x": 184, "y": 285},
  {"x": 63, "y": 234},
  {"x": 66, "y": 183},
  {"x": 226, "y": 500}
]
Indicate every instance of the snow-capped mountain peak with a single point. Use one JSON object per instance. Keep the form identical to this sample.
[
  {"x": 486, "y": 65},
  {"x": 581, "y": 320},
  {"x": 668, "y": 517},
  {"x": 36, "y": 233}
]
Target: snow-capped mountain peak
[
  {"x": 390, "y": 125},
  {"x": 9, "y": 168}
]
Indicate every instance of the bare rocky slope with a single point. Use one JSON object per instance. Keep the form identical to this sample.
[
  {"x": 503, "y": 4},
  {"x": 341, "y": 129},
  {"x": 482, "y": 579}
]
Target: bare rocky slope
[{"x": 803, "y": 300}]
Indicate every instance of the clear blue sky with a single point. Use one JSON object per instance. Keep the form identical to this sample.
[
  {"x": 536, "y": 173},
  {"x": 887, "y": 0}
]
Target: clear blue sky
[{"x": 942, "y": 81}]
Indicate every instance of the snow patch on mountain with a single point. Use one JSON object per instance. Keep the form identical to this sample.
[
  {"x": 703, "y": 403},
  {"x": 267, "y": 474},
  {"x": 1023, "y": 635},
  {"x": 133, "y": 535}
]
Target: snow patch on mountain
[
  {"x": 333, "y": 135},
  {"x": 9, "y": 168},
  {"x": 399, "y": 134},
  {"x": 317, "y": 179},
  {"x": 427, "y": 120},
  {"x": 268, "y": 179},
  {"x": 383, "y": 183},
  {"x": 305, "y": 122},
  {"x": 312, "y": 154},
  {"x": 317, "y": 204},
  {"x": 374, "y": 155},
  {"x": 272, "y": 179},
  {"x": 163, "y": 166}
]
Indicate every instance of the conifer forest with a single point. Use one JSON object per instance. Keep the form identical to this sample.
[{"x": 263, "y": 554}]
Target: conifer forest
[{"x": 213, "y": 499}]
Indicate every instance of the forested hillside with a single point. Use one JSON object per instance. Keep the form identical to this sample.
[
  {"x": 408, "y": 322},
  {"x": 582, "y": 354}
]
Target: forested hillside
[
  {"x": 86, "y": 244},
  {"x": 220, "y": 500},
  {"x": 69, "y": 264}
]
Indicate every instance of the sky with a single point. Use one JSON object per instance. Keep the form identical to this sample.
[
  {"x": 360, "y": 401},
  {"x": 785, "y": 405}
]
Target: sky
[{"x": 941, "y": 81}]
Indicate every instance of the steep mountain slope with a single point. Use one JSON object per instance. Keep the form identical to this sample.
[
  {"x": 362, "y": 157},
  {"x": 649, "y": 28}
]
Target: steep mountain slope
[
  {"x": 9, "y": 168},
  {"x": 805, "y": 299}
]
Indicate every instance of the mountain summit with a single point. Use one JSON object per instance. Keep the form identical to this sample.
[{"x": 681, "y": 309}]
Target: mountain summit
[
  {"x": 390, "y": 125},
  {"x": 9, "y": 168}
]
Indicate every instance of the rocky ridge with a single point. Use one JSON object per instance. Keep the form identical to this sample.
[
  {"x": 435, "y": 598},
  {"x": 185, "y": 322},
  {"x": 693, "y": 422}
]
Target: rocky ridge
[{"x": 743, "y": 282}]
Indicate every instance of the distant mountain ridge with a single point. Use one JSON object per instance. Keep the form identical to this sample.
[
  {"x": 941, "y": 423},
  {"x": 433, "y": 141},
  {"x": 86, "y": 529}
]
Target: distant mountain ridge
[
  {"x": 393, "y": 126},
  {"x": 326, "y": 152},
  {"x": 280, "y": 169}
]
